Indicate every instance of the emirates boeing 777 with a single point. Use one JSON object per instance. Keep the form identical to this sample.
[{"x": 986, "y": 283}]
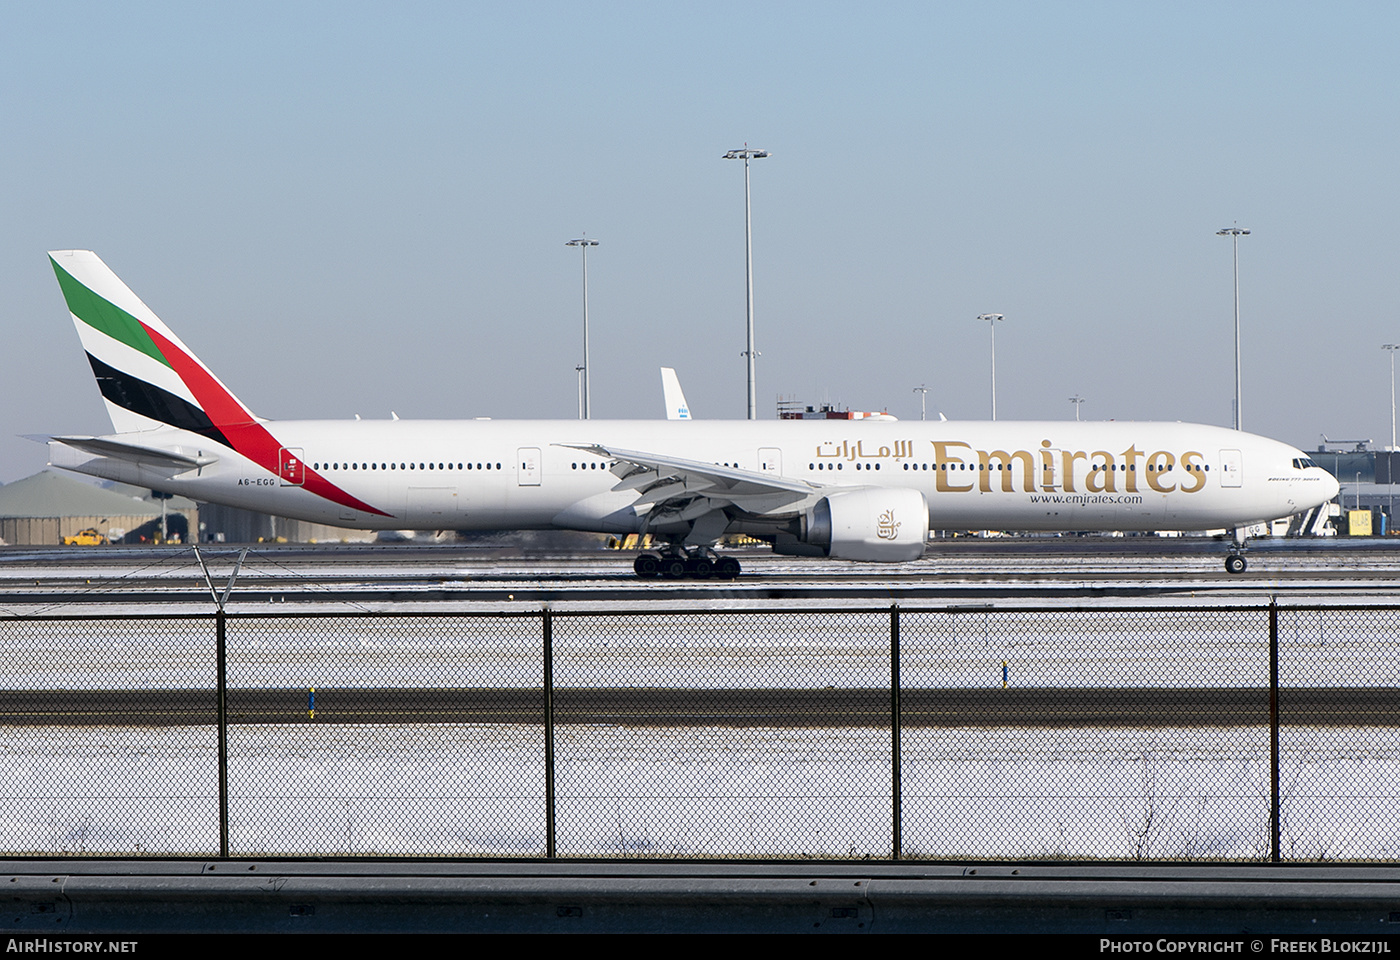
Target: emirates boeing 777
[{"x": 844, "y": 489}]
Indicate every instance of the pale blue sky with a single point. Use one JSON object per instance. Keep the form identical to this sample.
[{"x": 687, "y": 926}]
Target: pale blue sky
[{"x": 356, "y": 208}]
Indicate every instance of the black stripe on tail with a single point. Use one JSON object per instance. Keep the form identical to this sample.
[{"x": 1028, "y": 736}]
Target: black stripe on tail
[{"x": 151, "y": 401}]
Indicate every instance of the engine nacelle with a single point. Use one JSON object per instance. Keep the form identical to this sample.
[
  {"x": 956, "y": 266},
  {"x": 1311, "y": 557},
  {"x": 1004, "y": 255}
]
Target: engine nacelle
[{"x": 873, "y": 524}]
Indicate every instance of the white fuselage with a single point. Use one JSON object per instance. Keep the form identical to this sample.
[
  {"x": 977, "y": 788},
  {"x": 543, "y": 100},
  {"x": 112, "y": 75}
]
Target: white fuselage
[{"x": 524, "y": 474}]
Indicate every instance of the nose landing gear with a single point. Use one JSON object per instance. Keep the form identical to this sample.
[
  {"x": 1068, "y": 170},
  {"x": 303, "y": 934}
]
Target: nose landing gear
[{"x": 1235, "y": 563}]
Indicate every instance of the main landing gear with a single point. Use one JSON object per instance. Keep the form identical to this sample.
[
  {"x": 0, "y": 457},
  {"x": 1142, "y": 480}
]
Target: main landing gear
[{"x": 697, "y": 565}]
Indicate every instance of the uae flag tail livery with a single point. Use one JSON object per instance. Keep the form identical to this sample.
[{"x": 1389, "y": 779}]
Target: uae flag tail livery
[{"x": 151, "y": 382}]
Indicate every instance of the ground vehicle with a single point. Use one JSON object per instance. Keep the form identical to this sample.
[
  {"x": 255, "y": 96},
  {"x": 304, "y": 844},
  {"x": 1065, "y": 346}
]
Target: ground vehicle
[{"x": 89, "y": 537}]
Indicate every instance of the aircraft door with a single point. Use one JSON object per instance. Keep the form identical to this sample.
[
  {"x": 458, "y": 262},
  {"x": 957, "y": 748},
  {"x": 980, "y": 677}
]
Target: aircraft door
[
  {"x": 290, "y": 467},
  {"x": 528, "y": 466},
  {"x": 1231, "y": 468},
  {"x": 770, "y": 460}
]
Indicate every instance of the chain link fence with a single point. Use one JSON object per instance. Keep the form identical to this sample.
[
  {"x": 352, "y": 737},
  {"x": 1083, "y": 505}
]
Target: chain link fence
[{"x": 1247, "y": 733}]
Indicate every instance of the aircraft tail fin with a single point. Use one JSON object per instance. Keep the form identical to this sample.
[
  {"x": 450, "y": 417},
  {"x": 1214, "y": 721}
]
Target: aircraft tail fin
[
  {"x": 148, "y": 378},
  {"x": 676, "y": 408}
]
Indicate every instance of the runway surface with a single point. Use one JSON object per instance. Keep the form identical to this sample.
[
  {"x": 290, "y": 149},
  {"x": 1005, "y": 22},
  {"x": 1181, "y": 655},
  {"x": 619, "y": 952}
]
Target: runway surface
[
  {"x": 985, "y": 570},
  {"x": 1043, "y": 707}
]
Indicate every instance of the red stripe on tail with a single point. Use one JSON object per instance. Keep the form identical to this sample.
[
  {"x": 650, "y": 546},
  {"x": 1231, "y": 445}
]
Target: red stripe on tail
[{"x": 237, "y": 423}]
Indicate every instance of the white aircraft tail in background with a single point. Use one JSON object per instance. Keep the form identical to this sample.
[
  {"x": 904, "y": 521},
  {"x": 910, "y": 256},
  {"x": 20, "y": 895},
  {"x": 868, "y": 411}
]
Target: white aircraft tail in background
[{"x": 676, "y": 407}]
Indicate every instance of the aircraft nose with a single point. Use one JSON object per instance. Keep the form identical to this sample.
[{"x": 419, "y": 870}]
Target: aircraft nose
[{"x": 1331, "y": 488}]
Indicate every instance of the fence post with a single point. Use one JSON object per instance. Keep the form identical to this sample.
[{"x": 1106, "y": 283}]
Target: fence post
[
  {"x": 896, "y": 764},
  {"x": 221, "y": 683},
  {"x": 548, "y": 625},
  {"x": 1274, "y": 800},
  {"x": 221, "y": 656}
]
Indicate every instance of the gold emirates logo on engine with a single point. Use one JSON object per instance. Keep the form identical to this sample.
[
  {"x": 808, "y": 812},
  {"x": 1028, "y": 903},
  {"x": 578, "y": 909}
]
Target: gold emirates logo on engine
[
  {"x": 888, "y": 527},
  {"x": 961, "y": 468}
]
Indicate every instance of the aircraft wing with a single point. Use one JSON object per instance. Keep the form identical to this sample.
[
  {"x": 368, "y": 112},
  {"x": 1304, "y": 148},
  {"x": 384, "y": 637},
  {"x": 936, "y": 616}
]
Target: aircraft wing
[{"x": 693, "y": 487}]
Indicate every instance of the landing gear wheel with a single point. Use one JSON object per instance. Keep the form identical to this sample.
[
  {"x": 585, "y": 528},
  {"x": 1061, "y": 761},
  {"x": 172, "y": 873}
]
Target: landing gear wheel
[
  {"x": 696, "y": 566},
  {"x": 1235, "y": 563},
  {"x": 701, "y": 568}
]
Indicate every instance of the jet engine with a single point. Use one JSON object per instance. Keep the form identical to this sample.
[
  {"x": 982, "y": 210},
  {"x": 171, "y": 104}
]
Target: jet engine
[{"x": 873, "y": 524}]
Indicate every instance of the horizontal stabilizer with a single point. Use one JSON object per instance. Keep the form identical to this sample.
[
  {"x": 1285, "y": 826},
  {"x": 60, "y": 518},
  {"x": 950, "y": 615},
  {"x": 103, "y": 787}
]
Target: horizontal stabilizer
[{"x": 121, "y": 450}]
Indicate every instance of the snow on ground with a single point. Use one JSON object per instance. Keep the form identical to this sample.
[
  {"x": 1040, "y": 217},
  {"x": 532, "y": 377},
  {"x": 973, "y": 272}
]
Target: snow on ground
[
  {"x": 1161, "y": 648},
  {"x": 478, "y": 790}
]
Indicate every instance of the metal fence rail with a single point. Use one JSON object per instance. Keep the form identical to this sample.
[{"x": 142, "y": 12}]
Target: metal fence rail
[{"x": 1194, "y": 734}]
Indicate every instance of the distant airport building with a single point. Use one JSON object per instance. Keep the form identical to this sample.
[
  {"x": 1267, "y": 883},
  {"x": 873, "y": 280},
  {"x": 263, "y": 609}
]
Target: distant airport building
[
  {"x": 793, "y": 409},
  {"x": 223, "y": 524},
  {"x": 49, "y": 506},
  {"x": 1370, "y": 482}
]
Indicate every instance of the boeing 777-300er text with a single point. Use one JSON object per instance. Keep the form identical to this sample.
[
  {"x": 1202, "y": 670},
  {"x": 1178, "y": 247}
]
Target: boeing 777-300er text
[{"x": 845, "y": 489}]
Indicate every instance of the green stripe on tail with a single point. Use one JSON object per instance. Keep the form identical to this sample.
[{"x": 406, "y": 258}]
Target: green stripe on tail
[{"x": 105, "y": 316}]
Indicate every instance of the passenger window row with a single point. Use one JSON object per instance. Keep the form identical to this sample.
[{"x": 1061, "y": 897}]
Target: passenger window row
[
  {"x": 403, "y": 466},
  {"x": 999, "y": 467}
]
